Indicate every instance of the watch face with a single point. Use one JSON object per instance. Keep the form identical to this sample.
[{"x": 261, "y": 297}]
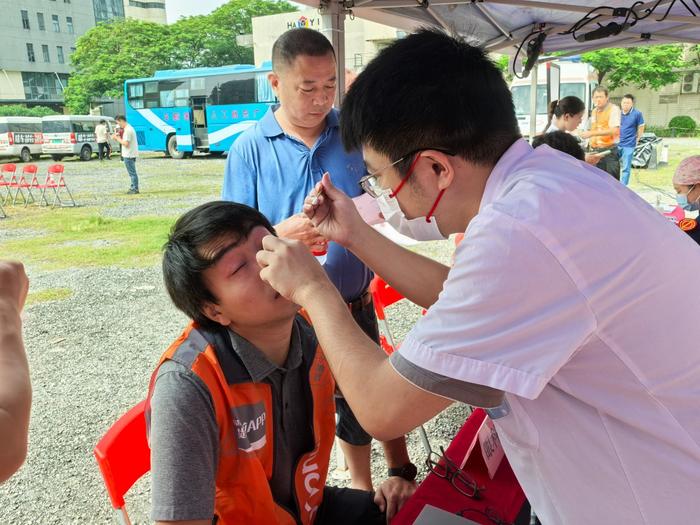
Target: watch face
[{"x": 410, "y": 472}]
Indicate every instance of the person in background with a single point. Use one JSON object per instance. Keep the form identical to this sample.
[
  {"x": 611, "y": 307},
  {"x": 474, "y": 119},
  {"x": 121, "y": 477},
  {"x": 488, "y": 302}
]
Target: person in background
[
  {"x": 15, "y": 385},
  {"x": 562, "y": 141},
  {"x": 102, "y": 137},
  {"x": 275, "y": 163},
  {"x": 565, "y": 114},
  {"x": 605, "y": 131},
  {"x": 130, "y": 150},
  {"x": 686, "y": 182},
  {"x": 631, "y": 130}
]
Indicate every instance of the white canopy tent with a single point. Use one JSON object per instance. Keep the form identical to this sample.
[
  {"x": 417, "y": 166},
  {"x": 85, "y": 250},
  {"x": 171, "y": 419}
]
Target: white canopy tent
[{"x": 566, "y": 26}]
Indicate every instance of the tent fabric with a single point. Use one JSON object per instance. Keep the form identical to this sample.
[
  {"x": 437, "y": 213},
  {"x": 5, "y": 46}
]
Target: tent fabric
[{"x": 502, "y": 25}]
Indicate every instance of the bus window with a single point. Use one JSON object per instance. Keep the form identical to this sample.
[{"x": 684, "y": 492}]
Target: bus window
[
  {"x": 83, "y": 127},
  {"x": 521, "y": 99},
  {"x": 135, "y": 90},
  {"x": 263, "y": 89},
  {"x": 197, "y": 84},
  {"x": 238, "y": 89},
  {"x": 3, "y": 128},
  {"x": 575, "y": 89}
]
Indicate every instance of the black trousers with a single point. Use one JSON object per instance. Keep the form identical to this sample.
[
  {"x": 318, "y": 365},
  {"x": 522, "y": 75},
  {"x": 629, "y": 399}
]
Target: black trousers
[
  {"x": 103, "y": 150},
  {"x": 611, "y": 162},
  {"x": 349, "y": 507}
]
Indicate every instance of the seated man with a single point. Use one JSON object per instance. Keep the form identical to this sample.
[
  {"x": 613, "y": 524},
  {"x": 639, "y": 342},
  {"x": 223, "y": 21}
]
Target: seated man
[{"x": 241, "y": 407}]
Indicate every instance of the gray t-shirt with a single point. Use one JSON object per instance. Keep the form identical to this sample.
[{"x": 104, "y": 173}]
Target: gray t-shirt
[{"x": 184, "y": 432}]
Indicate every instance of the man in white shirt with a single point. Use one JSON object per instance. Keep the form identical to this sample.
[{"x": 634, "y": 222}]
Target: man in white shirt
[
  {"x": 102, "y": 136},
  {"x": 570, "y": 311},
  {"x": 130, "y": 150}
]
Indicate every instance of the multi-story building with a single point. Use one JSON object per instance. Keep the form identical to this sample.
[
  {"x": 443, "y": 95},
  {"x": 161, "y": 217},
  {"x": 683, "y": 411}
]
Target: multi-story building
[{"x": 37, "y": 38}]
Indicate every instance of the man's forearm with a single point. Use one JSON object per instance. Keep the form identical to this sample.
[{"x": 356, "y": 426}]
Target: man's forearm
[
  {"x": 416, "y": 277},
  {"x": 15, "y": 394}
]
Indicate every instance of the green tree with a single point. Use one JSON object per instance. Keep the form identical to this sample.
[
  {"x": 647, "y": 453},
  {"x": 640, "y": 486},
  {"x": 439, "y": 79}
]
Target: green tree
[
  {"x": 110, "y": 53},
  {"x": 24, "y": 111},
  {"x": 643, "y": 66}
]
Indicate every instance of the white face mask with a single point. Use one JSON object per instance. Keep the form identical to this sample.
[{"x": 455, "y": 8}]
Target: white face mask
[{"x": 420, "y": 228}]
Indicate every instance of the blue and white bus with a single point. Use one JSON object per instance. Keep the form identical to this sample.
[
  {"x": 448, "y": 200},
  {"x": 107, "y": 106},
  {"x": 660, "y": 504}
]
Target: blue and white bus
[{"x": 179, "y": 112}]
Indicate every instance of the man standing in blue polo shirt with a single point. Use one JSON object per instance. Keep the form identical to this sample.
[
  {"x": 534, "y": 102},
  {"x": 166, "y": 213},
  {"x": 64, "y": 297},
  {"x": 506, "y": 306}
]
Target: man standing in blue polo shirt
[
  {"x": 631, "y": 130},
  {"x": 273, "y": 165}
]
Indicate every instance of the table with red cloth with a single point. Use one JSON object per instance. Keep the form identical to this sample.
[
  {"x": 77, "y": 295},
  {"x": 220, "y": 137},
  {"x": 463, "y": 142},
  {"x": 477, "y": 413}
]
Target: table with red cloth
[{"x": 503, "y": 493}]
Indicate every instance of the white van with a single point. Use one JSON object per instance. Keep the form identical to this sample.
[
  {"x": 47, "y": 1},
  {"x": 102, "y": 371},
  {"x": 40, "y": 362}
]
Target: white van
[
  {"x": 20, "y": 137},
  {"x": 576, "y": 78},
  {"x": 74, "y": 135}
]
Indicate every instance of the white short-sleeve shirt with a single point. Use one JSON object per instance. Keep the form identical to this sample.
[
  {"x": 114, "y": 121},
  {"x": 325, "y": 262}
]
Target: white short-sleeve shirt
[
  {"x": 581, "y": 302},
  {"x": 132, "y": 150}
]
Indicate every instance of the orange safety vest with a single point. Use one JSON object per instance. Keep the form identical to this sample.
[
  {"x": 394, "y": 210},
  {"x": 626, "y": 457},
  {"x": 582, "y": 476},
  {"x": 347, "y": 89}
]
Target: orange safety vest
[
  {"x": 244, "y": 416},
  {"x": 602, "y": 121}
]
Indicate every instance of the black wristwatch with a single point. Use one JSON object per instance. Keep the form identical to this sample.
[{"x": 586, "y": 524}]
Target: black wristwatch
[{"x": 407, "y": 472}]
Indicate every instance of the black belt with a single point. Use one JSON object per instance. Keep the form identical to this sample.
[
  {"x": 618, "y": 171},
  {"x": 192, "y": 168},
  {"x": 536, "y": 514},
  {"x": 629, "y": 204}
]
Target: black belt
[{"x": 362, "y": 301}]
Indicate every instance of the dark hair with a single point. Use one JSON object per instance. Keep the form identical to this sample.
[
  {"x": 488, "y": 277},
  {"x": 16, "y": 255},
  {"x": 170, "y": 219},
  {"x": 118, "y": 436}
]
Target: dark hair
[
  {"x": 601, "y": 89},
  {"x": 120, "y": 117},
  {"x": 562, "y": 141},
  {"x": 103, "y": 121},
  {"x": 299, "y": 41},
  {"x": 183, "y": 261},
  {"x": 570, "y": 105},
  {"x": 629, "y": 96},
  {"x": 430, "y": 90}
]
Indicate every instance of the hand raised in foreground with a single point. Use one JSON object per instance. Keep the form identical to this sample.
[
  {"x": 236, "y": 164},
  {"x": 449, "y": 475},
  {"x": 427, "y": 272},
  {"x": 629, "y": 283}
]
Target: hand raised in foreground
[
  {"x": 14, "y": 285},
  {"x": 300, "y": 228}
]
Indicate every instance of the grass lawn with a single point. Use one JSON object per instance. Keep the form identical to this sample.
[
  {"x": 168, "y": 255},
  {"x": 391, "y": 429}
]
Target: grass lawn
[{"x": 643, "y": 180}]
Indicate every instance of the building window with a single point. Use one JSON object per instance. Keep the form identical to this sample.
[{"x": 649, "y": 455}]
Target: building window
[
  {"x": 106, "y": 10},
  {"x": 147, "y": 5},
  {"x": 44, "y": 86},
  {"x": 40, "y": 20},
  {"x": 25, "y": 19},
  {"x": 45, "y": 51},
  {"x": 56, "y": 25},
  {"x": 59, "y": 52},
  {"x": 69, "y": 24},
  {"x": 30, "y": 52}
]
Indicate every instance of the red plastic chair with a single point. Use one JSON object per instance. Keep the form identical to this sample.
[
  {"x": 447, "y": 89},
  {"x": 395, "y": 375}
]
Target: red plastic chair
[
  {"x": 383, "y": 296},
  {"x": 124, "y": 456},
  {"x": 7, "y": 170},
  {"x": 55, "y": 182},
  {"x": 24, "y": 184}
]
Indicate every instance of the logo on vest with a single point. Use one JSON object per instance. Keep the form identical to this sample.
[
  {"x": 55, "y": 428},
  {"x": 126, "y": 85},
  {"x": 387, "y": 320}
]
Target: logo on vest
[{"x": 249, "y": 421}]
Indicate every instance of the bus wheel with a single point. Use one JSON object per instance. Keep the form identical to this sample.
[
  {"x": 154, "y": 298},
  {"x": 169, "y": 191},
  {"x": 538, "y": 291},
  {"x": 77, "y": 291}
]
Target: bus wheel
[
  {"x": 85, "y": 152},
  {"x": 172, "y": 148},
  {"x": 25, "y": 155},
  {"x": 57, "y": 158}
]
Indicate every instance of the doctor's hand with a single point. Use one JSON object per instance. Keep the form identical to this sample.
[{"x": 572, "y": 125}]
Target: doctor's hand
[
  {"x": 289, "y": 267},
  {"x": 332, "y": 212},
  {"x": 392, "y": 494}
]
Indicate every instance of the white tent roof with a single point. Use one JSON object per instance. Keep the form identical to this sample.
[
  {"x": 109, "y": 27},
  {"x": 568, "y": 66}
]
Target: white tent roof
[{"x": 501, "y": 25}]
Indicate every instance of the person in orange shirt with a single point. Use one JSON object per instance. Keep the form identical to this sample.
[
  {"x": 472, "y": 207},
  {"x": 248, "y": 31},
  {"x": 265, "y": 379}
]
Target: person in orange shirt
[{"x": 604, "y": 133}]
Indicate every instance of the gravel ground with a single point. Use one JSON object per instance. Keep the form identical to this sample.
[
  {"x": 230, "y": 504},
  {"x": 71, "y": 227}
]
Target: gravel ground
[{"x": 91, "y": 354}]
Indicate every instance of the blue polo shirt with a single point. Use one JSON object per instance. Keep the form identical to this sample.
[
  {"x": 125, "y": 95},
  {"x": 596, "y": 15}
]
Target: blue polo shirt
[
  {"x": 273, "y": 172},
  {"x": 628, "y": 127}
]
